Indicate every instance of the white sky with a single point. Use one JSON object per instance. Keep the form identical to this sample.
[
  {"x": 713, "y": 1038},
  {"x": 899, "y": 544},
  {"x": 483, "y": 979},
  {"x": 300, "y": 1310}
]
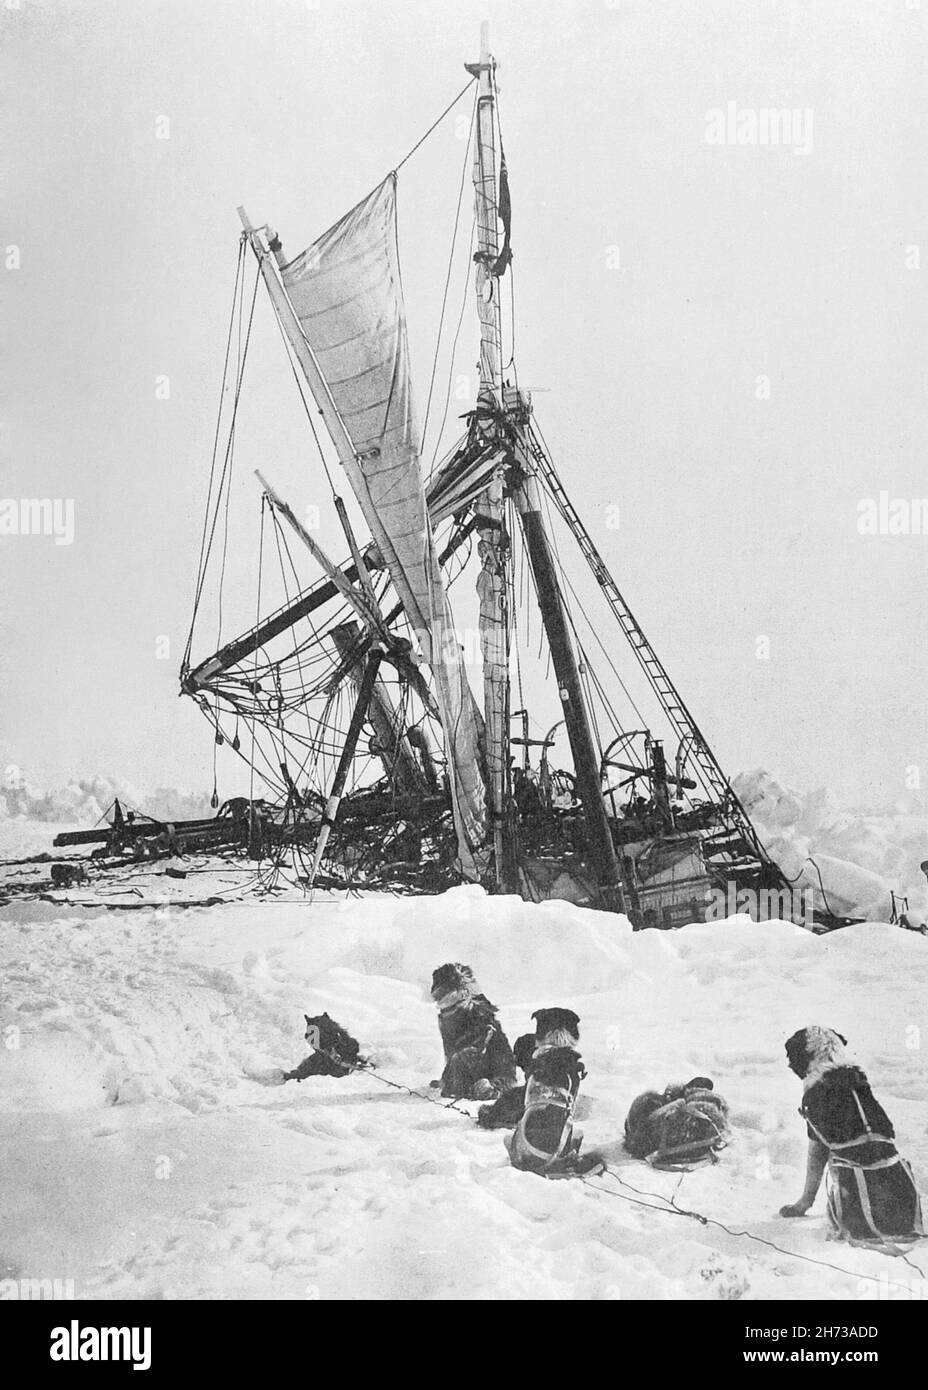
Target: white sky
[{"x": 738, "y": 515}]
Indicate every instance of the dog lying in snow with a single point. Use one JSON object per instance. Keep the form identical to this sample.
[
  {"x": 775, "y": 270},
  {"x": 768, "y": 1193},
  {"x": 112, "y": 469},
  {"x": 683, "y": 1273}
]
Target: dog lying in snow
[
  {"x": 682, "y": 1127},
  {"x": 335, "y": 1052},
  {"x": 545, "y": 1140},
  {"x": 479, "y": 1064},
  {"x": 871, "y": 1193}
]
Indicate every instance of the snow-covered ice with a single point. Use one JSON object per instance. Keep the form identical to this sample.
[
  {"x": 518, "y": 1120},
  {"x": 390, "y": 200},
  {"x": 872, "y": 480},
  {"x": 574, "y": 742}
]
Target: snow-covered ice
[
  {"x": 850, "y": 859},
  {"x": 147, "y": 1152}
]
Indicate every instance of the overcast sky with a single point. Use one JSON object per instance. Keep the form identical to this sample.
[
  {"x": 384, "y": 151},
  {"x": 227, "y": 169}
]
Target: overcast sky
[{"x": 659, "y": 279}]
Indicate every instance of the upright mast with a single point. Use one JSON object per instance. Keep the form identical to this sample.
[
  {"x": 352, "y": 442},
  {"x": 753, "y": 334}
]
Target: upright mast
[
  {"x": 493, "y": 543},
  {"x": 492, "y": 405},
  {"x": 486, "y": 283}
]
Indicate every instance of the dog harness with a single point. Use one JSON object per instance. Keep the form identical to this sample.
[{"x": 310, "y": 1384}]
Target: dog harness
[
  {"x": 541, "y": 1095},
  {"x": 840, "y": 1159},
  {"x": 544, "y": 1098},
  {"x": 659, "y": 1156}
]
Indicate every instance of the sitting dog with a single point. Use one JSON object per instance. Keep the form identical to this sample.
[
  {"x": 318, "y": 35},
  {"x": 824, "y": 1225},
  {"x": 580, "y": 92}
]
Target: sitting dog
[
  {"x": 335, "y": 1051},
  {"x": 553, "y": 1028},
  {"x": 871, "y": 1195},
  {"x": 680, "y": 1128},
  {"x": 479, "y": 1064},
  {"x": 506, "y": 1111},
  {"x": 545, "y": 1140}
]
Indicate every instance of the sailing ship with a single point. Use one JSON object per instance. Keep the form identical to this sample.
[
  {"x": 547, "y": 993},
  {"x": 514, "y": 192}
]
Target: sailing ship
[{"x": 379, "y": 752}]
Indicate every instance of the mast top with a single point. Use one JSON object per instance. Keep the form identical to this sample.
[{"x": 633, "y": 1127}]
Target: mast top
[{"x": 486, "y": 64}]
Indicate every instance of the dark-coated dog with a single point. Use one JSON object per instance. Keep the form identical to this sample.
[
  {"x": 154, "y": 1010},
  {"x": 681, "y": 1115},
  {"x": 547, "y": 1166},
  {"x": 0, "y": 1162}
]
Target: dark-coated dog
[
  {"x": 545, "y": 1140},
  {"x": 506, "y": 1111},
  {"x": 554, "y": 1028},
  {"x": 479, "y": 1064},
  {"x": 872, "y": 1198},
  {"x": 335, "y": 1052}
]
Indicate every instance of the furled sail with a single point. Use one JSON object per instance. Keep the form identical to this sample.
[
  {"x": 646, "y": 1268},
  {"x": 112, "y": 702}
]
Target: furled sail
[{"x": 348, "y": 297}]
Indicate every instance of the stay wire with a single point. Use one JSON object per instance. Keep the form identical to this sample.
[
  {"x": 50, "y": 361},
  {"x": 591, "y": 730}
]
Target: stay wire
[
  {"x": 457, "y": 334},
  {"x": 454, "y": 238},
  {"x": 212, "y": 471},
  {"x": 230, "y": 443},
  {"x": 434, "y": 126}
]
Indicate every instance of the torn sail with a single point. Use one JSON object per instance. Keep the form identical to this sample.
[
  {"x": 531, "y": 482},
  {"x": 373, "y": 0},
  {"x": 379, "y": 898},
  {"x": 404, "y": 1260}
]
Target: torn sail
[{"x": 348, "y": 297}]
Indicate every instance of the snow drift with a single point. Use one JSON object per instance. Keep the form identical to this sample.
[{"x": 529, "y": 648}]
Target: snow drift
[{"x": 148, "y": 1153}]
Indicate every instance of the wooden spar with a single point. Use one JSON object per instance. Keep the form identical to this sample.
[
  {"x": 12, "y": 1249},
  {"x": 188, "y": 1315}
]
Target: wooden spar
[
  {"x": 291, "y": 326},
  {"x": 358, "y": 598},
  {"x": 686, "y": 783},
  {"x": 235, "y": 651},
  {"x": 586, "y": 758},
  {"x": 355, "y": 551},
  {"x": 397, "y": 757},
  {"x": 139, "y": 830},
  {"x": 347, "y": 757},
  {"x": 492, "y": 582}
]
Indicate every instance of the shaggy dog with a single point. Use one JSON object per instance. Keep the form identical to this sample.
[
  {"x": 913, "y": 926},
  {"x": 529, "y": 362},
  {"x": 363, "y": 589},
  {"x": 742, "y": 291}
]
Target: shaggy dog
[
  {"x": 871, "y": 1194},
  {"x": 506, "y": 1111},
  {"x": 544, "y": 1140},
  {"x": 479, "y": 1064},
  {"x": 335, "y": 1051},
  {"x": 553, "y": 1028},
  {"x": 681, "y": 1127}
]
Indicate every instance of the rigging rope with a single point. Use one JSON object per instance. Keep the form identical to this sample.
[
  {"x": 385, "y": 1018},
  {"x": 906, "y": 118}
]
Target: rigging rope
[
  {"x": 222, "y": 390},
  {"x": 811, "y": 861},
  {"x": 444, "y": 298},
  {"x": 457, "y": 333},
  {"x": 434, "y": 126},
  {"x": 228, "y": 454},
  {"x": 301, "y": 387}
]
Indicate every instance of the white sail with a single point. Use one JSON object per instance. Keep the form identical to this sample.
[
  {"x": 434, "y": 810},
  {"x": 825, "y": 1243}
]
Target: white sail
[{"x": 348, "y": 297}]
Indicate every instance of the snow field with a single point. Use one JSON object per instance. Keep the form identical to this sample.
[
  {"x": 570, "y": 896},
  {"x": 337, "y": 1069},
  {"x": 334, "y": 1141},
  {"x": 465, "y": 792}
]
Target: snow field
[{"x": 147, "y": 1152}]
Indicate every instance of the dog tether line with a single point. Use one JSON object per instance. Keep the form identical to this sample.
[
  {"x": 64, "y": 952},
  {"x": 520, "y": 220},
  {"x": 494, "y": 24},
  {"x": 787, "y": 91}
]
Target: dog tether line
[
  {"x": 398, "y": 1085},
  {"x": 673, "y": 1210}
]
